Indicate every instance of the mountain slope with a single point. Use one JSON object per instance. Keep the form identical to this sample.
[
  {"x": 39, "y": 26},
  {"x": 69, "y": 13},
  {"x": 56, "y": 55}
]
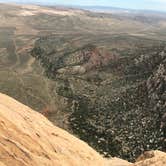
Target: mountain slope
[
  {"x": 98, "y": 70},
  {"x": 116, "y": 96},
  {"x": 28, "y": 138}
]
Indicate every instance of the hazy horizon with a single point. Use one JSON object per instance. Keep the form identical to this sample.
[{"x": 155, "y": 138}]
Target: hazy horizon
[{"x": 158, "y": 5}]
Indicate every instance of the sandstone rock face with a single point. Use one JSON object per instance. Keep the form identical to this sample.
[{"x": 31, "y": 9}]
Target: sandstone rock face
[
  {"x": 28, "y": 138},
  {"x": 118, "y": 162},
  {"x": 153, "y": 158}
]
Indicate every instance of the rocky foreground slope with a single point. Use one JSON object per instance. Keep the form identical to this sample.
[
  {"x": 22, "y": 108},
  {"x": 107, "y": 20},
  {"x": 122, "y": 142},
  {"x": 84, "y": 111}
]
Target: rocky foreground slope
[{"x": 28, "y": 138}]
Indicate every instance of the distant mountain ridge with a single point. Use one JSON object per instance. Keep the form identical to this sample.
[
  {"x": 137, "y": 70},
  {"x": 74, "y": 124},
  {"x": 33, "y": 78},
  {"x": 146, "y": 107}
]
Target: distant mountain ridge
[
  {"x": 125, "y": 11},
  {"x": 104, "y": 9}
]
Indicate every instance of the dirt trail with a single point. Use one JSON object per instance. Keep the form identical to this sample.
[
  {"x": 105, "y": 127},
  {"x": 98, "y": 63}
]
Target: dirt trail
[{"x": 29, "y": 66}]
